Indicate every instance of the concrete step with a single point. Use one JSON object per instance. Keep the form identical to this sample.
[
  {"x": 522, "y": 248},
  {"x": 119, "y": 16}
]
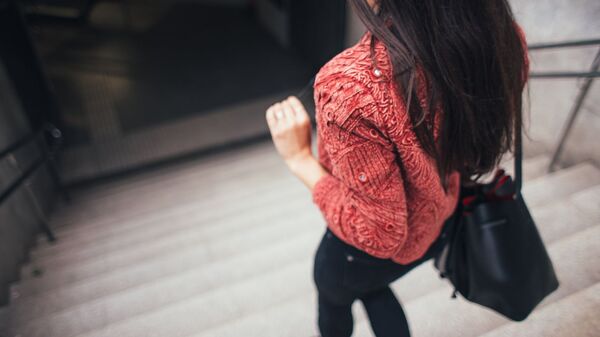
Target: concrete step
[
  {"x": 533, "y": 148},
  {"x": 433, "y": 314},
  {"x": 62, "y": 273},
  {"x": 550, "y": 216},
  {"x": 116, "y": 225},
  {"x": 34, "y": 320},
  {"x": 565, "y": 216},
  {"x": 191, "y": 198},
  {"x": 217, "y": 307},
  {"x": 533, "y": 168},
  {"x": 588, "y": 201},
  {"x": 166, "y": 190},
  {"x": 204, "y": 250},
  {"x": 169, "y": 222},
  {"x": 81, "y": 252},
  {"x": 560, "y": 183},
  {"x": 186, "y": 278},
  {"x": 573, "y": 316},
  {"x": 96, "y": 210},
  {"x": 112, "y": 286},
  {"x": 232, "y": 158},
  {"x": 104, "y": 256},
  {"x": 203, "y": 184},
  {"x": 243, "y": 157},
  {"x": 42, "y": 311},
  {"x": 119, "y": 303},
  {"x": 103, "y": 189},
  {"x": 249, "y": 156}
]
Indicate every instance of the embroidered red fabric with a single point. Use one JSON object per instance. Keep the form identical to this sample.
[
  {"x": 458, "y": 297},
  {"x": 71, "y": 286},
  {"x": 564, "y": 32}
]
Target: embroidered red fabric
[
  {"x": 368, "y": 199},
  {"x": 383, "y": 194}
]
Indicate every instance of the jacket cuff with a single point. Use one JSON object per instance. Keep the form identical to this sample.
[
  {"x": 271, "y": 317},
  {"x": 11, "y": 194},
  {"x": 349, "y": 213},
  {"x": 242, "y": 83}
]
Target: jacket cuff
[{"x": 322, "y": 190}]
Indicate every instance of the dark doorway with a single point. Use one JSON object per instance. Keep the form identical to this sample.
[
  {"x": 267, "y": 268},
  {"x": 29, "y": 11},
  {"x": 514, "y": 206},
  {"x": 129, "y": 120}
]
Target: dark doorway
[
  {"x": 23, "y": 68},
  {"x": 141, "y": 82}
]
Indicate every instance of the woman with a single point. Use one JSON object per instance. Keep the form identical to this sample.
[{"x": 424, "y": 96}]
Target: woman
[{"x": 426, "y": 100}]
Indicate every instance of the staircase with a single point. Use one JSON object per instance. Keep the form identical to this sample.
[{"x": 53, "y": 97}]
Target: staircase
[{"x": 223, "y": 247}]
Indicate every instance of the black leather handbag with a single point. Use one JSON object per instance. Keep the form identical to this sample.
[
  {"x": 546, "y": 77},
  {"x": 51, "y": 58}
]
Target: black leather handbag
[{"x": 494, "y": 255}]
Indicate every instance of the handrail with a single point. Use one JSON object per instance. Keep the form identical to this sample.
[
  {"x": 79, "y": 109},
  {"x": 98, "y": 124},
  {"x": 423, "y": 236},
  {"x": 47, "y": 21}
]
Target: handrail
[
  {"x": 564, "y": 44},
  {"x": 47, "y": 155},
  {"x": 16, "y": 145},
  {"x": 566, "y": 74},
  {"x": 20, "y": 180},
  {"x": 588, "y": 77}
]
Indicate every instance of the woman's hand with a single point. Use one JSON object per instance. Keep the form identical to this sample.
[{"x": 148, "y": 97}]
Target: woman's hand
[{"x": 290, "y": 129}]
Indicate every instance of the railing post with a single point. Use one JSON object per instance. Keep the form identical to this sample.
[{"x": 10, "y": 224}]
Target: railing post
[
  {"x": 574, "y": 112},
  {"x": 43, "y": 219},
  {"x": 50, "y": 156}
]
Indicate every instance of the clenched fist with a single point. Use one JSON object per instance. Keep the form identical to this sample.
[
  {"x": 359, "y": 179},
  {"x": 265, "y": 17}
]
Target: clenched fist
[{"x": 290, "y": 129}]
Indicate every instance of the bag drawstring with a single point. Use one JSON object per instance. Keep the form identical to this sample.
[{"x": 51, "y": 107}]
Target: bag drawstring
[{"x": 454, "y": 291}]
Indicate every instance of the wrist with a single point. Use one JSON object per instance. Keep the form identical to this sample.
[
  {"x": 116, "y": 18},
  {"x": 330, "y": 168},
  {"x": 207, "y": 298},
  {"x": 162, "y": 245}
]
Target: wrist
[
  {"x": 308, "y": 169},
  {"x": 299, "y": 161}
]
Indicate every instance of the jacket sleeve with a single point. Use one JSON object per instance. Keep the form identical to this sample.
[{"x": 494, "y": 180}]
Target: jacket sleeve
[{"x": 362, "y": 199}]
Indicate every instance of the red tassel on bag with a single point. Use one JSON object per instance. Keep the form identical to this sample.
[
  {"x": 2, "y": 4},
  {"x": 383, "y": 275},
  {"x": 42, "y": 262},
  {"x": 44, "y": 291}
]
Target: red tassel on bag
[{"x": 498, "y": 182}]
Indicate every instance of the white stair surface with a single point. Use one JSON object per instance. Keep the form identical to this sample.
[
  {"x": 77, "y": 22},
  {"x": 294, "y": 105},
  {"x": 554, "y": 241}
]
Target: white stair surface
[
  {"x": 224, "y": 246},
  {"x": 573, "y": 316}
]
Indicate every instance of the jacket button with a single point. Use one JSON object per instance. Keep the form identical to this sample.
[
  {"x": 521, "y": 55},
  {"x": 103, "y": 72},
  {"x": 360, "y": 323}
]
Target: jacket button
[
  {"x": 328, "y": 115},
  {"x": 349, "y": 258},
  {"x": 362, "y": 177},
  {"x": 377, "y": 72}
]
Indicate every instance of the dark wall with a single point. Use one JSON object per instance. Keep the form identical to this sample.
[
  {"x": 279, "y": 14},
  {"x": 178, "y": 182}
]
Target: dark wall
[
  {"x": 318, "y": 29},
  {"x": 24, "y": 68},
  {"x": 19, "y": 217}
]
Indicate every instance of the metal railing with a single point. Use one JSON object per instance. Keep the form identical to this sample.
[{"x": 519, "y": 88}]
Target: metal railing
[
  {"x": 588, "y": 79},
  {"x": 48, "y": 140}
]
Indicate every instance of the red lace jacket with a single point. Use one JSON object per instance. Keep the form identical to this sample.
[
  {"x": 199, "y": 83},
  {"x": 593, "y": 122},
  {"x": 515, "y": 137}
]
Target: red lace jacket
[
  {"x": 383, "y": 194},
  {"x": 368, "y": 199}
]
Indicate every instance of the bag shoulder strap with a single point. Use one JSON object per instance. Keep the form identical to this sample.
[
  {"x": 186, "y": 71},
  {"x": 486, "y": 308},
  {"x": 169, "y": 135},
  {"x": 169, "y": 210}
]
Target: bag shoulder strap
[{"x": 518, "y": 159}]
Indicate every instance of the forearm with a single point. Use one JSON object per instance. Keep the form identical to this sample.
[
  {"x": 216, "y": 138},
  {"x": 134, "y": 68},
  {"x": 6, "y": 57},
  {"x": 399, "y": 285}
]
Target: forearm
[{"x": 307, "y": 168}]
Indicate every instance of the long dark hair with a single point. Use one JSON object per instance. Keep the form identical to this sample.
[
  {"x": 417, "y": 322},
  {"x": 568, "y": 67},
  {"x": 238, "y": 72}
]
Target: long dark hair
[{"x": 471, "y": 56}]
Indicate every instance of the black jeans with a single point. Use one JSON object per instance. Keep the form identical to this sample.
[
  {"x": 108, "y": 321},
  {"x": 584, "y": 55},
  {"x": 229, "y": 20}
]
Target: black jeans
[{"x": 344, "y": 274}]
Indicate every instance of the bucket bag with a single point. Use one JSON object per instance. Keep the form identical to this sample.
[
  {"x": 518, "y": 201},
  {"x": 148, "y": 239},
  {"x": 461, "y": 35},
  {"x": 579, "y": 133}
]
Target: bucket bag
[{"x": 494, "y": 255}]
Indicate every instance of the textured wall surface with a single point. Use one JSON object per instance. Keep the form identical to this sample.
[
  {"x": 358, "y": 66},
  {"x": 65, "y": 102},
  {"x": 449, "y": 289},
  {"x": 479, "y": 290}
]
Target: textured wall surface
[
  {"x": 551, "y": 100},
  {"x": 19, "y": 219}
]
